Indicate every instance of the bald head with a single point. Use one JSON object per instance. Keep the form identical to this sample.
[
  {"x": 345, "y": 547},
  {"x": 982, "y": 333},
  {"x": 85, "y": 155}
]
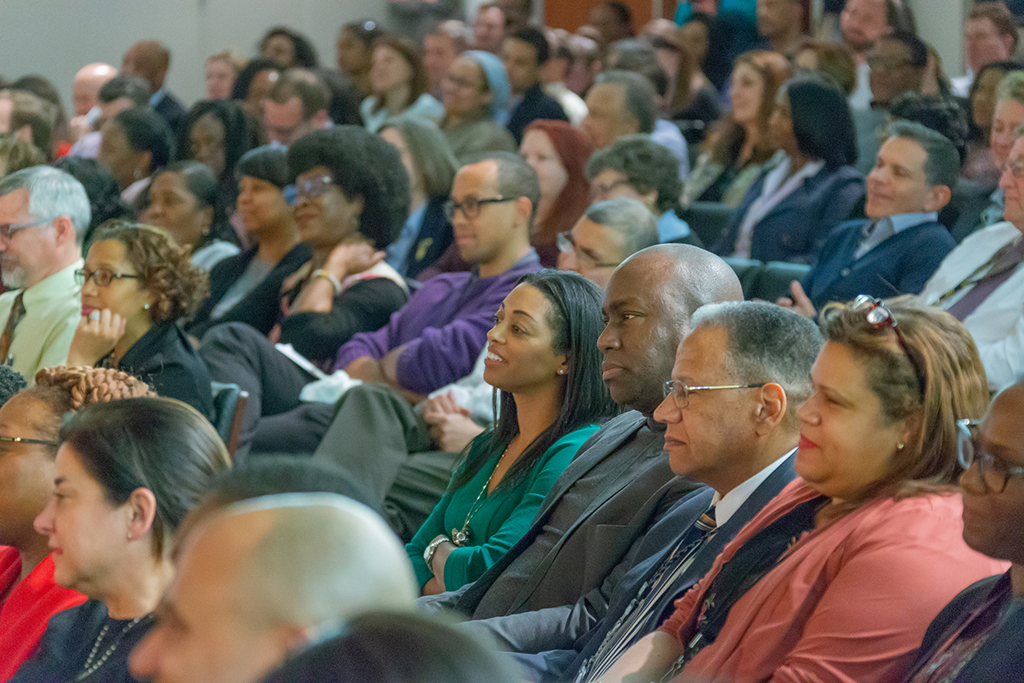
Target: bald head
[
  {"x": 648, "y": 305},
  {"x": 260, "y": 579},
  {"x": 148, "y": 59},
  {"x": 88, "y": 81}
]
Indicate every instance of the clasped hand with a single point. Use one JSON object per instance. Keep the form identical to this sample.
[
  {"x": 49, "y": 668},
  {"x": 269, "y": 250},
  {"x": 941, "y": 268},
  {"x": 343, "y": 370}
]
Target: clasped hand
[{"x": 95, "y": 337}]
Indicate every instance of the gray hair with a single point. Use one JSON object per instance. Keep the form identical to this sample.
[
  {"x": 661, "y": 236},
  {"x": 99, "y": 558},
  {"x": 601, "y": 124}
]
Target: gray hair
[
  {"x": 639, "y": 96},
  {"x": 431, "y": 153},
  {"x": 460, "y": 33},
  {"x": 326, "y": 558},
  {"x": 767, "y": 343},
  {"x": 51, "y": 193},
  {"x": 646, "y": 164},
  {"x": 628, "y": 217},
  {"x": 942, "y": 161}
]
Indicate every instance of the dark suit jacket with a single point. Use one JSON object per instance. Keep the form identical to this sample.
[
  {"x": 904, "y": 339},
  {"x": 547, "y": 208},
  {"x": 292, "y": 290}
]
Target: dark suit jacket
[
  {"x": 172, "y": 111},
  {"x": 434, "y": 237},
  {"x": 260, "y": 308},
  {"x": 642, "y": 490},
  {"x": 565, "y": 637},
  {"x": 1000, "y": 658},
  {"x": 797, "y": 226},
  {"x": 534, "y": 106},
  {"x": 164, "y": 358},
  {"x": 901, "y": 264}
]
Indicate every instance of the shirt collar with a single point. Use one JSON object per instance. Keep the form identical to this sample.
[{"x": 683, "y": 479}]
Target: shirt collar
[
  {"x": 901, "y": 222},
  {"x": 157, "y": 96},
  {"x": 727, "y": 505},
  {"x": 55, "y": 286}
]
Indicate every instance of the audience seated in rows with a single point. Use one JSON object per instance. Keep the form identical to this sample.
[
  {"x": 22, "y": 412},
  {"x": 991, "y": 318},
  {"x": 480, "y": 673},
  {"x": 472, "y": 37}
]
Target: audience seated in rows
[
  {"x": 542, "y": 358},
  {"x": 50, "y": 213},
  {"x": 759, "y": 357},
  {"x": 475, "y": 94},
  {"x": 769, "y": 606},
  {"x": 636, "y": 166},
  {"x": 136, "y": 284},
  {"x": 126, "y": 474},
  {"x": 809, "y": 188},
  {"x": 900, "y": 244},
  {"x": 558, "y": 154},
  {"x": 35, "y": 415}
]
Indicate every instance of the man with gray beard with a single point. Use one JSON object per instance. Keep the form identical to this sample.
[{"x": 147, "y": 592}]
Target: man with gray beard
[{"x": 43, "y": 215}]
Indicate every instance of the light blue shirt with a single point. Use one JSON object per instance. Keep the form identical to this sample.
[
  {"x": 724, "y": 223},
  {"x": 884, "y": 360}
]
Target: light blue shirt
[
  {"x": 157, "y": 96},
  {"x": 398, "y": 251},
  {"x": 887, "y": 226},
  {"x": 671, "y": 227}
]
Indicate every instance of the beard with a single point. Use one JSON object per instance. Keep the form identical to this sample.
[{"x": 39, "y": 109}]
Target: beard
[{"x": 13, "y": 275}]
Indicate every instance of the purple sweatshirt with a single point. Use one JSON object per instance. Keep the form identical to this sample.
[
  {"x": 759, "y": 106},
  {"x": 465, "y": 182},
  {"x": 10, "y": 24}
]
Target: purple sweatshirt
[{"x": 443, "y": 325}]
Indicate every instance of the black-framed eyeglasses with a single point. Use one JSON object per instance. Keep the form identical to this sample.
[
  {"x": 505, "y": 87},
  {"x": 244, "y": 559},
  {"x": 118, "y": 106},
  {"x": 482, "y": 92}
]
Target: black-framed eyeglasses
[
  {"x": 7, "y": 230},
  {"x": 567, "y": 245},
  {"x": 102, "y": 276},
  {"x": 312, "y": 188},
  {"x": 18, "y": 439},
  {"x": 470, "y": 206},
  {"x": 681, "y": 391},
  {"x": 879, "y": 317},
  {"x": 994, "y": 472}
]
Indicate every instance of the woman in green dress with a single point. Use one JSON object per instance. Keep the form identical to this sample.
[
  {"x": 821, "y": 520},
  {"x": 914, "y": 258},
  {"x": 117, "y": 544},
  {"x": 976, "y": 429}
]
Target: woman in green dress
[{"x": 542, "y": 359}]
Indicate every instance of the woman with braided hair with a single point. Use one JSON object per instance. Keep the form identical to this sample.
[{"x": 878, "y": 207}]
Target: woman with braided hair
[
  {"x": 29, "y": 426},
  {"x": 136, "y": 283}
]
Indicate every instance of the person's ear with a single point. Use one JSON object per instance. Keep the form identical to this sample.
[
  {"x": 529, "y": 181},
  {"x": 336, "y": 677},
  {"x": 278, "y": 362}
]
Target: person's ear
[
  {"x": 145, "y": 160},
  {"x": 204, "y": 217},
  {"x": 563, "y": 364},
  {"x": 320, "y": 119},
  {"x": 938, "y": 196},
  {"x": 771, "y": 409},
  {"x": 141, "y": 508},
  {"x": 65, "y": 230},
  {"x": 524, "y": 209},
  {"x": 24, "y": 133}
]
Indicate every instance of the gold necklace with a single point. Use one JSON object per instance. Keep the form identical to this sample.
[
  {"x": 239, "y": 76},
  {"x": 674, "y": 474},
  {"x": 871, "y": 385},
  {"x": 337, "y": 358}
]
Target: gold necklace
[{"x": 460, "y": 537}]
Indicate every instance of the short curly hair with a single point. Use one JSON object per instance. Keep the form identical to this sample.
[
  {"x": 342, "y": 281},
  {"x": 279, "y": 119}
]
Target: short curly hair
[
  {"x": 646, "y": 164},
  {"x": 165, "y": 268}
]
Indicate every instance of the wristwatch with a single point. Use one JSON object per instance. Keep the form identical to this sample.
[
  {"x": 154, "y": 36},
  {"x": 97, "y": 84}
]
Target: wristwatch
[{"x": 428, "y": 552}]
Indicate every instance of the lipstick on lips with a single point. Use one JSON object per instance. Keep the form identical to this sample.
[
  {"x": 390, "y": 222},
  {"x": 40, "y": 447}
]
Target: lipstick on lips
[{"x": 806, "y": 443}]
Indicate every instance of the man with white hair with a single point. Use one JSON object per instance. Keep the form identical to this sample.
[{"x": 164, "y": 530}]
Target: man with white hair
[
  {"x": 44, "y": 214},
  {"x": 259, "y": 580}
]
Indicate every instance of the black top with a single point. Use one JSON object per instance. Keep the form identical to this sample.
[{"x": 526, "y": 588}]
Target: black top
[
  {"x": 69, "y": 639},
  {"x": 172, "y": 111},
  {"x": 434, "y": 237},
  {"x": 259, "y": 308},
  {"x": 535, "y": 106},
  {"x": 365, "y": 306},
  {"x": 165, "y": 360}
]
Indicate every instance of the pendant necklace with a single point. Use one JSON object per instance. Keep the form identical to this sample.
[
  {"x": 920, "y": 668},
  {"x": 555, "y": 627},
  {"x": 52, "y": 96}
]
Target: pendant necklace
[
  {"x": 460, "y": 537},
  {"x": 92, "y": 664}
]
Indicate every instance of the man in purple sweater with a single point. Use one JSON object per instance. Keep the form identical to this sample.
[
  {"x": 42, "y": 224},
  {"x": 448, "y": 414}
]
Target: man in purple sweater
[{"x": 436, "y": 337}]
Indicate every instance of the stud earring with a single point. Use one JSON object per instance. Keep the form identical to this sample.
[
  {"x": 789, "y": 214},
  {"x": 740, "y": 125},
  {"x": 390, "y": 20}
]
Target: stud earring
[
  {"x": 561, "y": 372},
  {"x": 899, "y": 447},
  {"x": 145, "y": 306}
]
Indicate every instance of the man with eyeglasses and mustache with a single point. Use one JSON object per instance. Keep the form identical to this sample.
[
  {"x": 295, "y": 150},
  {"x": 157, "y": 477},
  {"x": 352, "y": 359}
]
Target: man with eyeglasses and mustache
[{"x": 43, "y": 216}]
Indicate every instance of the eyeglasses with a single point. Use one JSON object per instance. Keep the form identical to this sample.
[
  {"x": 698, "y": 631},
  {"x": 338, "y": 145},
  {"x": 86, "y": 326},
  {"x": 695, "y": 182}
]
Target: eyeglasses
[
  {"x": 313, "y": 188},
  {"x": 470, "y": 206},
  {"x": 1015, "y": 168},
  {"x": 994, "y": 472},
  {"x": 680, "y": 391},
  {"x": 102, "y": 277},
  {"x": 567, "y": 245},
  {"x": 879, "y": 317},
  {"x": 599, "y": 192},
  {"x": 7, "y": 230},
  {"x": 18, "y": 439}
]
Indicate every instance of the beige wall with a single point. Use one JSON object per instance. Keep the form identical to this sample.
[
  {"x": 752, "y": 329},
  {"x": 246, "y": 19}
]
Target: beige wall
[{"x": 940, "y": 24}]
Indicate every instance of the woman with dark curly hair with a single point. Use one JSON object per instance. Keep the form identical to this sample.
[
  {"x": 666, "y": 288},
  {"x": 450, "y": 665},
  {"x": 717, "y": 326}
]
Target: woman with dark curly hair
[
  {"x": 28, "y": 594},
  {"x": 136, "y": 282},
  {"x": 288, "y": 48}
]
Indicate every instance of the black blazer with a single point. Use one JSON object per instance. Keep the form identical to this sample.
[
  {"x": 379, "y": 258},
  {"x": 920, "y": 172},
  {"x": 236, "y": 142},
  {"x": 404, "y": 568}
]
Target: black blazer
[
  {"x": 595, "y": 614},
  {"x": 535, "y": 106},
  {"x": 1002, "y": 655},
  {"x": 172, "y": 111},
  {"x": 260, "y": 308},
  {"x": 165, "y": 360},
  {"x": 434, "y": 237}
]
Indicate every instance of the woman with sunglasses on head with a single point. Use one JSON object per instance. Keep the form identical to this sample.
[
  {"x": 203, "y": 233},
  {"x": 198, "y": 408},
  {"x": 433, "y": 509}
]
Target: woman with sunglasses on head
[
  {"x": 979, "y": 636},
  {"x": 136, "y": 283},
  {"x": 839, "y": 576},
  {"x": 543, "y": 360},
  {"x": 30, "y": 422},
  {"x": 126, "y": 474}
]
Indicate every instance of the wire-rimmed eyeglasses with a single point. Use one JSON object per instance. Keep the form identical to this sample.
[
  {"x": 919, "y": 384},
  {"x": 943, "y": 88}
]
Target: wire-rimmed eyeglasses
[{"x": 681, "y": 391}]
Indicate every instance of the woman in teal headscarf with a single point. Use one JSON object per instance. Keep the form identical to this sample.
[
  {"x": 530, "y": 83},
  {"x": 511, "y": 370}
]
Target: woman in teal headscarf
[{"x": 475, "y": 94}]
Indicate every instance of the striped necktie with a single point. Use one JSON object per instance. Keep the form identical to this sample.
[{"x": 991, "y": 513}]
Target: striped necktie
[{"x": 15, "y": 316}]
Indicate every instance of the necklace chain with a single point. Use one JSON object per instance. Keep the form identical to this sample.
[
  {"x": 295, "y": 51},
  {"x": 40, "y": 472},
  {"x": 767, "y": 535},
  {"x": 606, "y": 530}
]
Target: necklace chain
[
  {"x": 461, "y": 536},
  {"x": 92, "y": 665}
]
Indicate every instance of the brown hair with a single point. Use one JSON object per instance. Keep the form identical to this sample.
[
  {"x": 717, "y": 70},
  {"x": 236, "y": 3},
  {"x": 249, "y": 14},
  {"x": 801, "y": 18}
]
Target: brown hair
[
  {"x": 1001, "y": 18},
  {"x": 16, "y": 154},
  {"x": 954, "y": 387},
  {"x": 725, "y": 145},
  {"x": 836, "y": 60},
  {"x": 419, "y": 83},
  {"x": 304, "y": 84},
  {"x": 166, "y": 269}
]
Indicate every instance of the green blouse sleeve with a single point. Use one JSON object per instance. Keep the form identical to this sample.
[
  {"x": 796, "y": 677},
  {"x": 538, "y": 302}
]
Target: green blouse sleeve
[{"x": 467, "y": 564}]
